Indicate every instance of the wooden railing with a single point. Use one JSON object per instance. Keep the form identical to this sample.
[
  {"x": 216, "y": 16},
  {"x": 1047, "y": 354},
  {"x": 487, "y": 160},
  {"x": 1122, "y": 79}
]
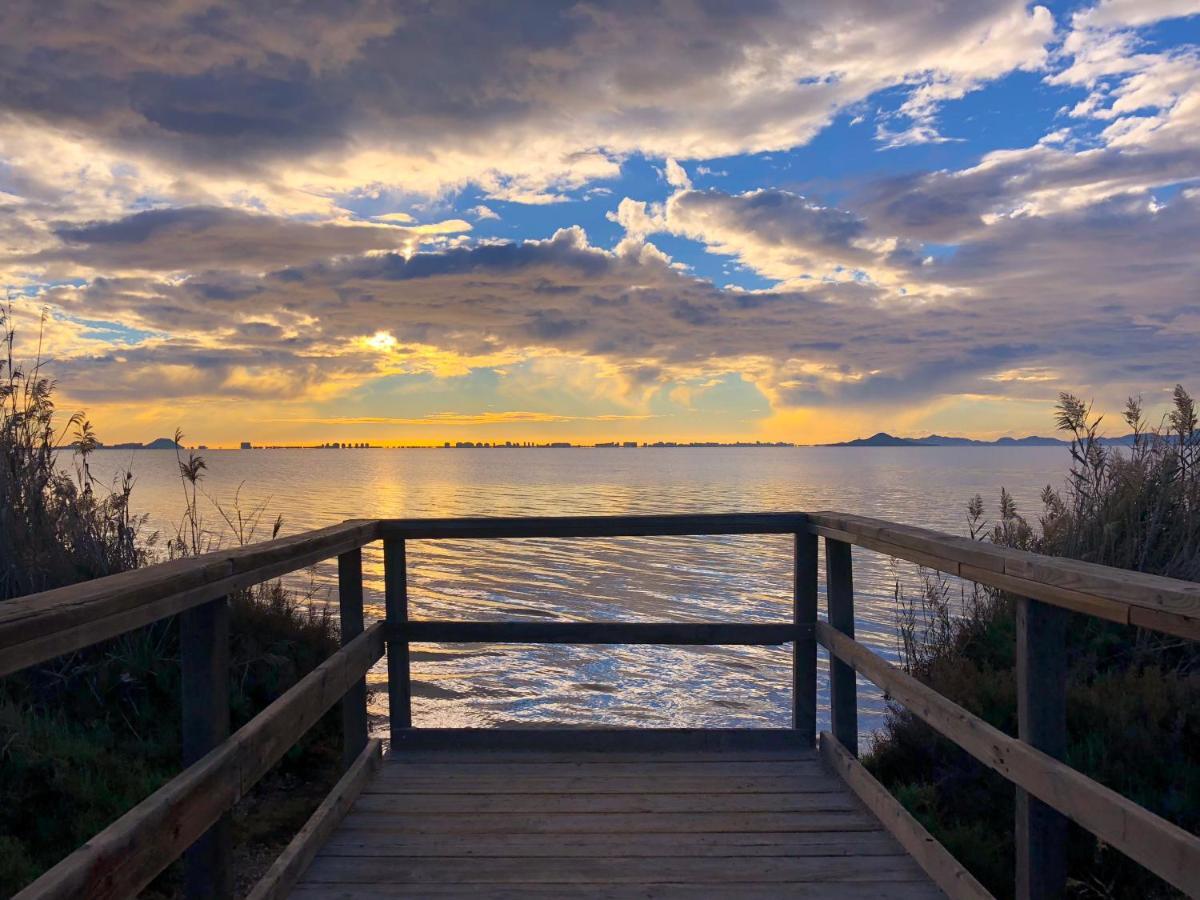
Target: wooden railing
[{"x": 190, "y": 813}]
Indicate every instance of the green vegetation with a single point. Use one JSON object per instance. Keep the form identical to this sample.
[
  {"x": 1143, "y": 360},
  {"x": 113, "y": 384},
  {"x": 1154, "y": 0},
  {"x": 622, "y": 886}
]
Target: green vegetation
[
  {"x": 1133, "y": 696},
  {"x": 85, "y": 737}
]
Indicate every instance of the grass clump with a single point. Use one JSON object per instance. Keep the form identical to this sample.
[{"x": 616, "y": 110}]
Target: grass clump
[
  {"x": 85, "y": 737},
  {"x": 1133, "y": 696}
]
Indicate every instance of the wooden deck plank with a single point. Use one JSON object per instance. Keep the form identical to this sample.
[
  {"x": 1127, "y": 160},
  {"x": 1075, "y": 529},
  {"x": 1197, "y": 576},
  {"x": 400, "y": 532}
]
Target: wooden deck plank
[
  {"x": 328, "y": 869},
  {"x": 610, "y": 784},
  {"x": 643, "y": 769},
  {"x": 610, "y": 823},
  {"x": 885, "y": 890},
  {"x": 673, "y": 816},
  {"x": 603, "y": 803},
  {"x": 787, "y": 843}
]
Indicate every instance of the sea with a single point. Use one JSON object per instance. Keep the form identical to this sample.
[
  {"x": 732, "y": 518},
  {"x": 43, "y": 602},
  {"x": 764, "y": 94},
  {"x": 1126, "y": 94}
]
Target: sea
[{"x": 722, "y": 578}]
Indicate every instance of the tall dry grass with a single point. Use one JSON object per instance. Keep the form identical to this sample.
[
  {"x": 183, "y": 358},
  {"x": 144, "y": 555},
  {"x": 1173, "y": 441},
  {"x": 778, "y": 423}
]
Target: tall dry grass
[
  {"x": 1133, "y": 696},
  {"x": 84, "y": 737}
]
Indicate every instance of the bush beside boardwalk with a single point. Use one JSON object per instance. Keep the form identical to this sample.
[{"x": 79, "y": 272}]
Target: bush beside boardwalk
[
  {"x": 1133, "y": 696},
  {"x": 85, "y": 737}
]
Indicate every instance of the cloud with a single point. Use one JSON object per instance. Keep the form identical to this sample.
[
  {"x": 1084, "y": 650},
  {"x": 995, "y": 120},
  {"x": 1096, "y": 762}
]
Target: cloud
[
  {"x": 428, "y": 98},
  {"x": 444, "y": 419},
  {"x": 1120, "y": 276},
  {"x": 192, "y": 238}
]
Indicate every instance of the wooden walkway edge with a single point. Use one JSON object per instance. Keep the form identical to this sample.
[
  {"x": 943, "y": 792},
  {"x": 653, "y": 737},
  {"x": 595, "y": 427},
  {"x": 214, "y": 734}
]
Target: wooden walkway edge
[{"x": 604, "y": 813}]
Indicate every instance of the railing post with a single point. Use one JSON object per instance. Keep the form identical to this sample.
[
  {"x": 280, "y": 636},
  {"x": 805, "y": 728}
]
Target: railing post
[
  {"x": 350, "y": 616},
  {"x": 204, "y": 657},
  {"x": 804, "y": 647},
  {"x": 1041, "y": 832},
  {"x": 843, "y": 689},
  {"x": 395, "y": 577}
]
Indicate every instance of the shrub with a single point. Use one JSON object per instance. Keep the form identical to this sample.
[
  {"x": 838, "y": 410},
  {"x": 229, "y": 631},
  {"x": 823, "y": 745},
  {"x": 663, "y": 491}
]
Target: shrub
[
  {"x": 1133, "y": 696},
  {"x": 85, "y": 737}
]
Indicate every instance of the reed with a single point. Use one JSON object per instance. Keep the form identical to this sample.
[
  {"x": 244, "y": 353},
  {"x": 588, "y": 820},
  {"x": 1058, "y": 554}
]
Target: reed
[
  {"x": 86, "y": 736},
  {"x": 1133, "y": 696}
]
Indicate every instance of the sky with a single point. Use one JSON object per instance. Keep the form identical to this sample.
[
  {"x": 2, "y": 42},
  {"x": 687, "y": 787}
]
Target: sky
[{"x": 414, "y": 222}]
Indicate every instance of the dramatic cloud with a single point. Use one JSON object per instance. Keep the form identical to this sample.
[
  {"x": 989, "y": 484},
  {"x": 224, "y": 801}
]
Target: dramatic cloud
[
  {"x": 220, "y": 203},
  {"x": 526, "y": 100},
  {"x": 191, "y": 238}
]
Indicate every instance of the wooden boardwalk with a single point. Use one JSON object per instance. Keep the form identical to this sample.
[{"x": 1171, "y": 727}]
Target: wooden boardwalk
[
  {"x": 699, "y": 822},
  {"x": 600, "y": 812}
]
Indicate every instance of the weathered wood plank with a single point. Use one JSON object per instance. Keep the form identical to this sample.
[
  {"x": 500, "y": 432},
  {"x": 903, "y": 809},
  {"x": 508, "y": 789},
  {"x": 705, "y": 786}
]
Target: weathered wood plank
[
  {"x": 618, "y": 870},
  {"x": 42, "y": 626},
  {"x": 597, "y": 739},
  {"x": 593, "y": 526},
  {"x": 946, "y": 872},
  {"x": 419, "y": 783},
  {"x": 1041, "y": 832},
  {"x": 395, "y": 578},
  {"x": 709, "y": 769},
  {"x": 839, "y": 595},
  {"x": 609, "y": 823},
  {"x": 125, "y": 856},
  {"x": 405, "y": 756},
  {"x": 204, "y": 685},
  {"x": 682, "y": 890},
  {"x": 350, "y": 620},
  {"x": 804, "y": 649},
  {"x": 1110, "y": 593},
  {"x": 603, "y": 802},
  {"x": 543, "y": 632},
  {"x": 1165, "y": 849},
  {"x": 286, "y": 871},
  {"x": 603, "y": 846}
]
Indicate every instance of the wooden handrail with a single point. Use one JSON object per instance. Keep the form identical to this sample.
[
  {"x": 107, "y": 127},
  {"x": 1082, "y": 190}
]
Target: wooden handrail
[
  {"x": 41, "y": 626},
  {"x": 664, "y": 633},
  {"x": 1162, "y": 847},
  {"x": 1119, "y": 595},
  {"x": 124, "y": 857},
  {"x": 592, "y": 526}
]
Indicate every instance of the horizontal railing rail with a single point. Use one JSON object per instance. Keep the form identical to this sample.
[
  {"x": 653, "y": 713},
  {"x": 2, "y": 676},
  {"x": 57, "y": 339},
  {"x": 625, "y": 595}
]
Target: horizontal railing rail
[
  {"x": 495, "y": 527},
  {"x": 1118, "y": 595},
  {"x": 40, "y": 627},
  {"x": 190, "y": 810},
  {"x": 123, "y": 858}
]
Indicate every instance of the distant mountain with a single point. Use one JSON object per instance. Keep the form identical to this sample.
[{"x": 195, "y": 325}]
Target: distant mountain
[
  {"x": 156, "y": 444},
  {"x": 883, "y": 439}
]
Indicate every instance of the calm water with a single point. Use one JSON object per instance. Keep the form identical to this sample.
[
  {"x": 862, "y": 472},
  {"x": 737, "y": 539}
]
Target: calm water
[{"x": 663, "y": 579}]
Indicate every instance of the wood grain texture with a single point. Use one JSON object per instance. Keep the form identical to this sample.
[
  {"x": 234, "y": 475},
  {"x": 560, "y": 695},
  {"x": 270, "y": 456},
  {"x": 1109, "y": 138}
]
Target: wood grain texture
[
  {"x": 843, "y": 689},
  {"x": 399, "y": 668},
  {"x": 543, "y": 632},
  {"x": 204, "y": 685},
  {"x": 350, "y": 620},
  {"x": 946, "y": 872},
  {"x": 682, "y": 890},
  {"x": 42, "y": 626},
  {"x": 804, "y": 647},
  {"x": 124, "y": 857},
  {"x": 600, "y": 739},
  {"x": 279, "y": 880},
  {"x": 1165, "y": 849},
  {"x": 1040, "y": 832},
  {"x": 624, "y": 823},
  {"x": 593, "y": 526},
  {"x": 1114, "y": 594}
]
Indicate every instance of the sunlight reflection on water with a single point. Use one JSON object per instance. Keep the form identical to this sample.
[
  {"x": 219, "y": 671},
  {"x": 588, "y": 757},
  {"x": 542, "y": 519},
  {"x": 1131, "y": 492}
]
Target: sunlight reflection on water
[{"x": 723, "y": 578}]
